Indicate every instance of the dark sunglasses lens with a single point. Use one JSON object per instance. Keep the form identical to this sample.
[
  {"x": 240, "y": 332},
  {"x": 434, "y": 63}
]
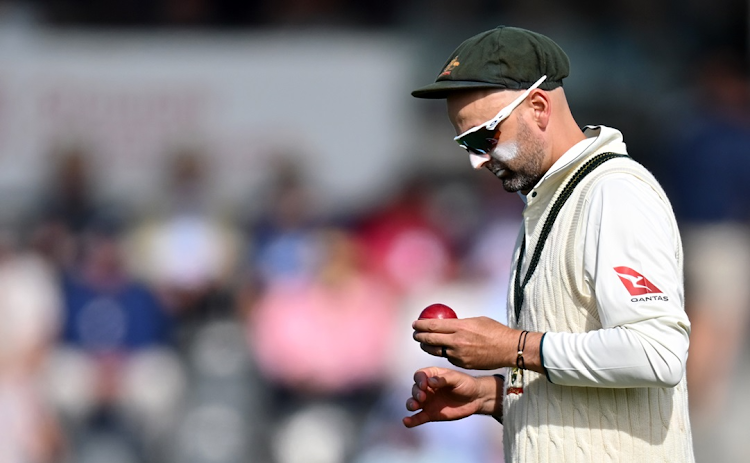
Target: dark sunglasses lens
[{"x": 482, "y": 141}]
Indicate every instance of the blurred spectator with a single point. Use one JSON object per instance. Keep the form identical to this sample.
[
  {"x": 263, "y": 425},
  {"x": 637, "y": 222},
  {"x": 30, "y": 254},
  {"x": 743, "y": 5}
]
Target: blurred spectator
[
  {"x": 282, "y": 237},
  {"x": 30, "y": 312},
  {"x": 114, "y": 336},
  {"x": 710, "y": 170},
  {"x": 71, "y": 200},
  {"x": 710, "y": 167},
  {"x": 66, "y": 208},
  {"x": 455, "y": 210},
  {"x": 107, "y": 311},
  {"x": 324, "y": 338},
  {"x": 404, "y": 246},
  {"x": 186, "y": 249},
  {"x": 302, "y": 330}
]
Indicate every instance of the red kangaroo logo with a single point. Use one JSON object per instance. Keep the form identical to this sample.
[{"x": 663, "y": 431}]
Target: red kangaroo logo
[{"x": 634, "y": 282}]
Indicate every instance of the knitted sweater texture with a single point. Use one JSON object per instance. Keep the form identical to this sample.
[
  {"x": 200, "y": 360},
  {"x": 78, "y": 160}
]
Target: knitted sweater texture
[{"x": 553, "y": 423}]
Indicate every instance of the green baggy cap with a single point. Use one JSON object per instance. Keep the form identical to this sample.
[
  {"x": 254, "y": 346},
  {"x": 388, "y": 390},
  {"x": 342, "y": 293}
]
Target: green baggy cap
[{"x": 504, "y": 57}]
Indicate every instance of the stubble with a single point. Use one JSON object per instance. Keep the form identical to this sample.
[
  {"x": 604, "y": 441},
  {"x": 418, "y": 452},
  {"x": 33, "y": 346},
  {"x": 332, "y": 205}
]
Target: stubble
[{"x": 519, "y": 166}]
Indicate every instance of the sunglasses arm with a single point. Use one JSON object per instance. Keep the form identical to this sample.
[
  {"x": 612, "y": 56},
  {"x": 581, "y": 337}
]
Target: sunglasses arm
[{"x": 505, "y": 112}]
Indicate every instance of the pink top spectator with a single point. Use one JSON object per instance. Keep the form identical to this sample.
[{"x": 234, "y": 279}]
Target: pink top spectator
[{"x": 321, "y": 337}]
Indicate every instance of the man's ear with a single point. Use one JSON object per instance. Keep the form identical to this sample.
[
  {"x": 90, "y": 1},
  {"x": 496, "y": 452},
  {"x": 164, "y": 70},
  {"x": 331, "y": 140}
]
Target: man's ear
[{"x": 541, "y": 104}]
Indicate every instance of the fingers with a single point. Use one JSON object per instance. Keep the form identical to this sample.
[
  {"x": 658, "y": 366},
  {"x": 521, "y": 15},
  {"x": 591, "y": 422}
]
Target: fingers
[
  {"x": 418, "y": 395},
  {"x": 429, "y": 400},
  {"x": 414, "y": 403},
  {"x": 416, "y": 419},
  {"x": 437, "y": 351},
  {"x": 430, "y": 338},
  {"x": 427, "y": 383},
  {"x": 431, "y": 378},
  {"x": 422, "y": 375},
  {"x": 436, "y": 325},
  {"x": 423, "y": 383},
  {"x": 433, "y": 334},
  {"x": 436, "y": 382},
  {"x": 438, "y": 345}
]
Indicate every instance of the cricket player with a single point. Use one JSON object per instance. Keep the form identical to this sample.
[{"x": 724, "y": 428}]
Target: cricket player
[{"x": 598, "y": 337}]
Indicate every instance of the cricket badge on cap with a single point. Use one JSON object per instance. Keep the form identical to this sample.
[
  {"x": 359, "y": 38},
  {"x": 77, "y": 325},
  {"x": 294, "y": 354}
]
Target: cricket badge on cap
[{"x": 450, "y": 67}]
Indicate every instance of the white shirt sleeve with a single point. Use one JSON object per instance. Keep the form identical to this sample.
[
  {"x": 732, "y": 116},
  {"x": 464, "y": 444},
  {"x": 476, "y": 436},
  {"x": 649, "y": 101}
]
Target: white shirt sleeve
[{"x": 630, "y": 263}]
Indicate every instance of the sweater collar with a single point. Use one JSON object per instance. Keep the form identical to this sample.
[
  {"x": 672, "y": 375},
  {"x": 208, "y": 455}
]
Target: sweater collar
[{"x": 598, "y": 139}]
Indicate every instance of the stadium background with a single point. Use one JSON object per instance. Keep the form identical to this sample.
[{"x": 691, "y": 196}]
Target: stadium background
[{"x": 218, "y": 218}]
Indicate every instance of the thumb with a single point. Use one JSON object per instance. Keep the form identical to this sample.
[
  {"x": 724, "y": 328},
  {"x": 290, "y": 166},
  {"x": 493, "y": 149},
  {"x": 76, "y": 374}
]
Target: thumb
[
  {"x": 436, "y": 378},
  {"x": 423, "y": 376}
]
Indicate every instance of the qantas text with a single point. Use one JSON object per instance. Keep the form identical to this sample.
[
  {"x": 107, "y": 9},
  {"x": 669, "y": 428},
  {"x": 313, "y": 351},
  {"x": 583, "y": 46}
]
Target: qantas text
[{"x": 649, "y": 298}]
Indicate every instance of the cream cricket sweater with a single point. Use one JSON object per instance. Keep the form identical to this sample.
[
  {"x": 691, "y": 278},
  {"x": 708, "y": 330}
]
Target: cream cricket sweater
[{"x": 549, "y": 422}]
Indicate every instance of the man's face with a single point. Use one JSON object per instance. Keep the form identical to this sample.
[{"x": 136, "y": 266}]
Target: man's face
[{"x": 518, "y": 157}]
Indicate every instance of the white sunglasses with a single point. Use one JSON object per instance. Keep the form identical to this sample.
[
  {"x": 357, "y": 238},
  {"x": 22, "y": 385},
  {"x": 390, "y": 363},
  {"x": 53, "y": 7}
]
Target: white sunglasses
[{"x": 481, "y": 139}]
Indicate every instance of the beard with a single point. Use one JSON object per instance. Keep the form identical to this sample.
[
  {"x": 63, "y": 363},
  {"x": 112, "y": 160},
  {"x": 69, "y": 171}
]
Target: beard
[{"x": 518, "y": 164}]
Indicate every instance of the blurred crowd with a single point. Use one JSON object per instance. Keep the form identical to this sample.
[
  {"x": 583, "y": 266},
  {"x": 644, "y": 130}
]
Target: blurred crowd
[
  {"x": 187, "y": 332},
  {"x": 184, "y": 333},
  {"x": 196, "y": 333}
]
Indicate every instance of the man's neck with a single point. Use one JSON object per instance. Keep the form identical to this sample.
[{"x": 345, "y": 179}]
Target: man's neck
[{"x": 564, "y": 138}]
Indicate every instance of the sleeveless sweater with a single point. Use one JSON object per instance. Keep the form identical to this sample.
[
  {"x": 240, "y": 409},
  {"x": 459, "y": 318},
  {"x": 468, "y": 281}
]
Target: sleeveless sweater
[{"x": 553, "y": 423}]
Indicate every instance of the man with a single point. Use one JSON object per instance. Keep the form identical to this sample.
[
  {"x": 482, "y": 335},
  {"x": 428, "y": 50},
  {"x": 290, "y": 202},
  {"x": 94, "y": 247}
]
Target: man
[{"x": 598, "y": 335}]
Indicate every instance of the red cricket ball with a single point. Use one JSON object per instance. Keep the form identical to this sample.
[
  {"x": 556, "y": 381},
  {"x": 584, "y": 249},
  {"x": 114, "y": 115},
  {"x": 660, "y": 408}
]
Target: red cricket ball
[{"x": 438, "y": 311}]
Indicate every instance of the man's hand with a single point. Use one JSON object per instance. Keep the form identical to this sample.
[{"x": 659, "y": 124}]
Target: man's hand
[
  {"x": 479, "y": 343},
  {"x": 441, "y": 394},
  {"x": 474, "y": 343}
]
